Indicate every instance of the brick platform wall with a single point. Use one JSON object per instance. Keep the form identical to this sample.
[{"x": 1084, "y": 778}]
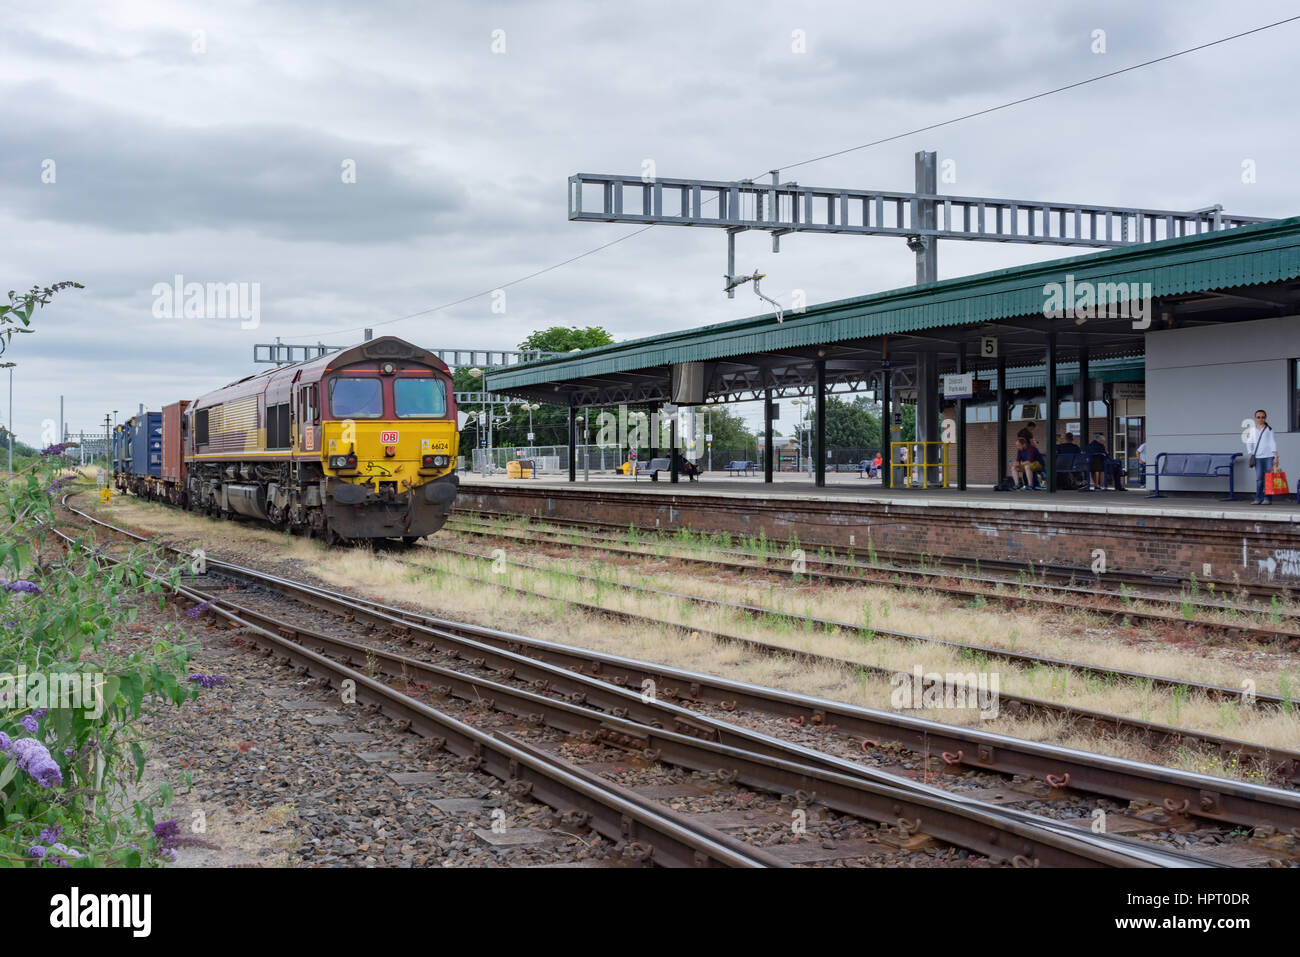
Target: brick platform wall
[{"x": 1145, "y": 543}]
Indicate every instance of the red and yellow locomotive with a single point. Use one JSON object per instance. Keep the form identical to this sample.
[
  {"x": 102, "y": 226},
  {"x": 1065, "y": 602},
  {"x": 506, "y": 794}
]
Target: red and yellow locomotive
[{"x": 357, "y": 444}]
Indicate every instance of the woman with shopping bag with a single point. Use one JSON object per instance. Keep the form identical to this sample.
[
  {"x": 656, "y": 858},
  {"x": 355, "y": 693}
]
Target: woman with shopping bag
[{"x": 1262, "y": 448}]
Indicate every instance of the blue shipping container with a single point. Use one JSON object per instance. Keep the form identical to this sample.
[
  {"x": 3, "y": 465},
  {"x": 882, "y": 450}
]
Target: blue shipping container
[{"x": 146, "y": 444}]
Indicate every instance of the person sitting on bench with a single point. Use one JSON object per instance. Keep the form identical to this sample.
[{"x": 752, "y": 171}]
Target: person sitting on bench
[
  {"x": 686, "y": 467},
  {"x": 1027, "y": 465},
  {"x": 1102, "y": 466},
  {"x": 1068, "y": 480}
]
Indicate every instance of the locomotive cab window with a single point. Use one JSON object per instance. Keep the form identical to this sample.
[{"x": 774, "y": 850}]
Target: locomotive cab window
[
  {"x": 201, "y": 427},
  {"x": 356, "y": 398},
  {"x": 419, "y": 398},
  {"x": 311, "y": 415}
]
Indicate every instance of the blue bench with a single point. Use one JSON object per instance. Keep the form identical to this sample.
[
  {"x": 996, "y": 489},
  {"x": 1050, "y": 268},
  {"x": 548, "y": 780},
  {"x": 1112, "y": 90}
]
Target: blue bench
[
  {"x": 1075, "y": 463},
  {"x": 1193, "y": 465},
  {"x": 654, "y": 467},
  {"x": 737, "y": 468}
]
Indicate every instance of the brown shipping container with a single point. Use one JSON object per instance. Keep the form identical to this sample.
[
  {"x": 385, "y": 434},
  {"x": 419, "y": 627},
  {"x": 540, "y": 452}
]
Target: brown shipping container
[{"x": 173, "y": 458}]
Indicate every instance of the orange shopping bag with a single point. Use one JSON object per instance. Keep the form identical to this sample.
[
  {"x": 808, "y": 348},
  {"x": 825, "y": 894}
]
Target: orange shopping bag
[{"x": 1275, "y": 484}]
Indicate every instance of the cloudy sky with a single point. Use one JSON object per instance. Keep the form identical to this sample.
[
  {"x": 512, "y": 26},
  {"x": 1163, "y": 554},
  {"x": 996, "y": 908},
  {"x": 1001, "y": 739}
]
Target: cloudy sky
[{"x": 214, "y": 140}]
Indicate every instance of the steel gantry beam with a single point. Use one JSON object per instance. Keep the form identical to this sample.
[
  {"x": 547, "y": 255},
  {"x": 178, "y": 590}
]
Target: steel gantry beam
[
  {"x": 282, "y": 353},
  {"x": 780, "y": 208}
]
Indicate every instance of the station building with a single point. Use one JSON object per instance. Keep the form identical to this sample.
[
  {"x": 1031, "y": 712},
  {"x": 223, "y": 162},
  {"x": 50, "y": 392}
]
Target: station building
[{"x": 1171, "y": 344}]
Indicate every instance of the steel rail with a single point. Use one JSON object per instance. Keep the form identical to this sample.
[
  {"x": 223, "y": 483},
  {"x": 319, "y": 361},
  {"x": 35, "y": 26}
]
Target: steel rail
[
  {"x": 1178, "y": 791},
  {"x": 1199, "y": 795},
  {"x": 956, "y": 564},
  {"x": 1283, "y": 761},
  {"x": 1214, "y": 692},
  {"x": 625, "y": 710},
  {"x": 766, "y": 565},
  {"x": 988, "y": 831},
  {"x": 674, "y": 840}
]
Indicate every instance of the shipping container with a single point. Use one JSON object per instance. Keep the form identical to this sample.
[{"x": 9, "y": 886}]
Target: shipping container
[
  {"x": 173, "y": 444},
  {"x": 146, "y": 444}
]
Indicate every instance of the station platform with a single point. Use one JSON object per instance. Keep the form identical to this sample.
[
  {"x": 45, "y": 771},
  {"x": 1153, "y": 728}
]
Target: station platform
[{"x": 1181, "y": 535}]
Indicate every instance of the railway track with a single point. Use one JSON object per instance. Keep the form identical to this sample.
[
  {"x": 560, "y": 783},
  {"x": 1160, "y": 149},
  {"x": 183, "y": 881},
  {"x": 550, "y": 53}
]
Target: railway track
[
  {"x": 979, "y": 587},
  {"x": 1182, "y": 795},
  {"x": 651, "y": 831},
  {"x": 1283, "y": 764},
  {"x": 1214, "y": 692},
  {"x": 1042, "y": 577}
]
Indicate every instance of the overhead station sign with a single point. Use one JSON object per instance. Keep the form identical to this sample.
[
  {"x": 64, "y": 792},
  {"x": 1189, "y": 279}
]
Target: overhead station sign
[{"x": 959, "y": 385}]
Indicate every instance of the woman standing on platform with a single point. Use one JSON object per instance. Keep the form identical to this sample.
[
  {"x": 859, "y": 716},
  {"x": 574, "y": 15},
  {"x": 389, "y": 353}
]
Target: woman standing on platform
[{"x": 1262, "y": 447}]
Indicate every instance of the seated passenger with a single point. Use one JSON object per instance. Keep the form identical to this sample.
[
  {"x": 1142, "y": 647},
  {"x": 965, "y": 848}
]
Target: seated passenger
[
  {"x": 1102, "y": 466},
  {"x": 1069, "y": 446},
  {"x": 1068, "y": 480},
  {"x": 686, "y": 467},
  {"x": 1025, "y": 466}
]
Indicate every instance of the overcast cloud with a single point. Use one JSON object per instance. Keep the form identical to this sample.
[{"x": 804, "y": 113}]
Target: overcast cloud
[{"x": 213, "y": 141}]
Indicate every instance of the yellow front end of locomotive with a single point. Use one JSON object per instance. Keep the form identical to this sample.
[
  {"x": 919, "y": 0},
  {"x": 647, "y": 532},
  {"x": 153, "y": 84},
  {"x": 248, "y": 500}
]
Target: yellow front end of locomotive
[{"x": 406, "y": 453}]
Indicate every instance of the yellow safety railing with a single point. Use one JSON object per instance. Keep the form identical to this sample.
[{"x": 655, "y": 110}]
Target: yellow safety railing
[{"x": 920, "y": 464}]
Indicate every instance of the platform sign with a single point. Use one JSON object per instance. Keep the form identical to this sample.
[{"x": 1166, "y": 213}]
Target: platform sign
[
  {"x": 959, "y": 385},
  {"x": 988, "y": 347}
]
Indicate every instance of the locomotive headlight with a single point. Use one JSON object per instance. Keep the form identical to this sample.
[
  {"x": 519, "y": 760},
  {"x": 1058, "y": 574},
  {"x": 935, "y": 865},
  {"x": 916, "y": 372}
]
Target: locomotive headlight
[
  {"x": 435, "y": 462},
  {"x": 343, "y": 461},
  {"x": 388, "y": 368}
]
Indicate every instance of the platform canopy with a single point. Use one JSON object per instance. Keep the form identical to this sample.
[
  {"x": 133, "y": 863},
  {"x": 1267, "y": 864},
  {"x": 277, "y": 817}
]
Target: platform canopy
[{"x": 1250, "y": 272}]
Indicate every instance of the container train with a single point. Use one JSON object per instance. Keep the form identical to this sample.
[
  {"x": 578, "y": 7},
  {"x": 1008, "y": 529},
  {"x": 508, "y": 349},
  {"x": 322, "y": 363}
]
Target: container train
[{"x": 358, "y": 444}]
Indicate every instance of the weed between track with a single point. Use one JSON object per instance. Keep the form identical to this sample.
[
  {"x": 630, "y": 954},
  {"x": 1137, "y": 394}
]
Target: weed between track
[{"x": 432, "y": 580}]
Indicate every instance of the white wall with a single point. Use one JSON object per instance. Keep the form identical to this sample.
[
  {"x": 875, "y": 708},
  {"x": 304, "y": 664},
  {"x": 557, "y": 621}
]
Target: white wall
[{"x": 1203, "y": 381}]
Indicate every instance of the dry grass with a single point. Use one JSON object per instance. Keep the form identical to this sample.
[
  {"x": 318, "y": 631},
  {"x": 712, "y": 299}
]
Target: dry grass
[
  {"x": 1281, "y": 614},
  {"x": 433, "y": 580},
  {"x": 918, "y": 612}
]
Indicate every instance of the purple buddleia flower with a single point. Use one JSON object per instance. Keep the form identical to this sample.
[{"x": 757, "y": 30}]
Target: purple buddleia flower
[
  {"x": 31, "y": 588},
  {"x": 36, "y": 851},
  {"x": 208, "y": 682},
  {"x": 66, "y": 851},
  {"x": 29, "y": 721},
  {"x": 40, "y": 713},
  {"x": 168, "y": 855},
  {"x": 198, "y": 609},
  {"x": 6, "y": 742},
  {"x": 52, "y": 834},
  {"x": 166, "y": 832},
  {"x": 34, "y": 758},
  {"x": 57, "y": 449}
]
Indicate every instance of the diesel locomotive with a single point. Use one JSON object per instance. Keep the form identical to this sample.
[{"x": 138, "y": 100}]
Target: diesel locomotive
[{"x": 358, "y": 444}]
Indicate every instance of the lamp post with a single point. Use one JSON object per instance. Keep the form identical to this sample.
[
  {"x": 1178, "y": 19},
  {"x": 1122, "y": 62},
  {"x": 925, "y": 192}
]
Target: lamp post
[
  {"x": 486, "y": 445},
  {"x": 112, "y": 466},
  {"x": 803, "y": 431},
  {"x": 531, "y": 407},
  {"x": 586, "y": 464}
]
